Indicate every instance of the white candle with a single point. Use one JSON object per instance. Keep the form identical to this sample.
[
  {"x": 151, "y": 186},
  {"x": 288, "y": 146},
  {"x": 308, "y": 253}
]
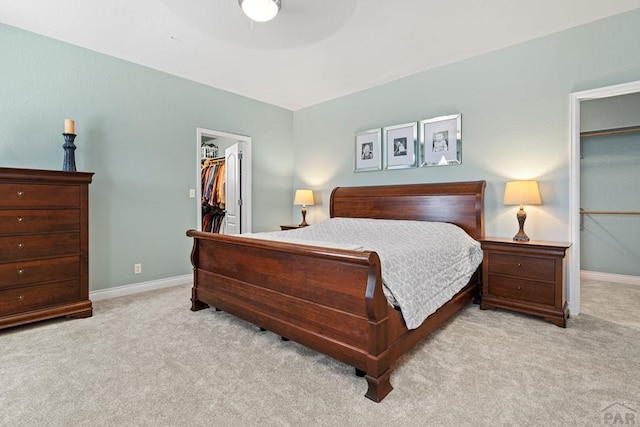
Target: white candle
[{"x": 69, "y": 126}]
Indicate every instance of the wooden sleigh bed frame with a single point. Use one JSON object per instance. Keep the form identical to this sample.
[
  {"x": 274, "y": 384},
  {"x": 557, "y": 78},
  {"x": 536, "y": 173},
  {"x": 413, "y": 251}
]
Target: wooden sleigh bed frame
[{"x": 331, "y": 300}]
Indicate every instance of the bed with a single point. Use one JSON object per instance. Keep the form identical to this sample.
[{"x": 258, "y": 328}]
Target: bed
[{"x": 332, "y": 299}]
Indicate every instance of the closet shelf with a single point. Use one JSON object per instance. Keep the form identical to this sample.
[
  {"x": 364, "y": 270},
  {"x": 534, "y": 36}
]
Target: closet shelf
[{"x": 613, "y": 131}]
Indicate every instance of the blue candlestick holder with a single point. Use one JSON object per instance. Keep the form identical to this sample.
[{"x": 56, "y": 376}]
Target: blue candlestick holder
[{"x": 69, "y": 164}]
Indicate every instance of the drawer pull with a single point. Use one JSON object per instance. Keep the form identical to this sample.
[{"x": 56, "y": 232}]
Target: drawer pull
[
  {"x": 21, "y": 271},
  {"x": 21, "y": 298},
  {"x": 20, "y": 193},
  {"x": 20, "y": 219},
  {"x": 519, "y": 265},
  {"x": 20, "y": 245},
  {"x": 519, "y": 288}
]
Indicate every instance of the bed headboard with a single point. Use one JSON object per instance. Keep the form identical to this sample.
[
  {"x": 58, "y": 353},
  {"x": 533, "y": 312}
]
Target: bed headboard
[{"x": 460, "y": 203}]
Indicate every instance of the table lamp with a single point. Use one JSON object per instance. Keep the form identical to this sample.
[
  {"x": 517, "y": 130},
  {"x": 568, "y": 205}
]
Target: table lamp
[
  {"x": 522, "y": 193},
  {"x": 304, "y": 198}
]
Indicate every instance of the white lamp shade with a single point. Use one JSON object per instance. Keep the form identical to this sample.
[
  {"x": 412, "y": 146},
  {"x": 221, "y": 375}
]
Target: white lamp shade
[
  {"x": 260, "y": 10},
  {"x": 522, "y": 193},
  {"x": 303, "y": 197}
]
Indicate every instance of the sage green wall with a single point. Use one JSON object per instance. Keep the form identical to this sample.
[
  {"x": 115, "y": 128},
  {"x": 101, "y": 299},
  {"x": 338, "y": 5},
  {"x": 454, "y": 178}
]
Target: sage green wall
[
  {"x": 137, "y": 131},
  {"x": 515, "y": 120},
  {"x": 609, "y": 176}
]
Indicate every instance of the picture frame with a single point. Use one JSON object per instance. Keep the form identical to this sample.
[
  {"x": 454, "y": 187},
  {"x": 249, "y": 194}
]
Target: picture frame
[
  {"x": 368, "y": 151},
  {"x": 400, "y": 143},
  {"x": 441, "y": 141}
]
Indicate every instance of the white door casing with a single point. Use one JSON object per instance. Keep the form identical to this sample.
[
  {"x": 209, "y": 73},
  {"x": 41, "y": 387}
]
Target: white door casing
[{"x": 233, "y": 189}]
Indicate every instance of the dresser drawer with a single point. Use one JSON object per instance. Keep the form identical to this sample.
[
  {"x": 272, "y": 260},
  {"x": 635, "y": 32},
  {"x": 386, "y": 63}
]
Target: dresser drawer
[
  {"x": 17, "y": 248},
  {"x": 39, "y": 221},
  {"x": 524, "y": 290},
  {"x": 527, "y": 267},
  {"x": 17, "y": 195},
  {"x": 29, "y": 298},
  {"x": 48, "y": 270}
]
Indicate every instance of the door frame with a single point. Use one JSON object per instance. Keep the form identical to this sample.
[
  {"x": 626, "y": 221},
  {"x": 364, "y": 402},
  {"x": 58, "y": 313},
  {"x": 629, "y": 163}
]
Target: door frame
[
  {"x": 245, "y": 172},
  {"x": 575, "y": 99}
]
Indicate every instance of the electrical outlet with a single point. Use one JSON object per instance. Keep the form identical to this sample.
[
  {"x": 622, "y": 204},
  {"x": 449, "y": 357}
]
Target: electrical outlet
[
  {"x": 137, "y": 268},
  {"x": 192, "y": 193}
]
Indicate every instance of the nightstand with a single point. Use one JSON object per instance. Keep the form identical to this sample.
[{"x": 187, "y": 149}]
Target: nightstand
[
  {"x": 291, "y": 226},
  {"x": 528, "y": 277}
]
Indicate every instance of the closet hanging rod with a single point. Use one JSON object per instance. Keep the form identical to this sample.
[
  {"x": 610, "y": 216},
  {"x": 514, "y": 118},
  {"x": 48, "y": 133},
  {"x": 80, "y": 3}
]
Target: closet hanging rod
[
  {"x": 213, "y": 160},
  {"x": 613, "y": 131},
  {"x": 609, "y": 212}
]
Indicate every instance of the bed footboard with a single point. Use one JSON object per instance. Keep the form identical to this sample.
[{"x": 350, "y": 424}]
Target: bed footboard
[{"x": 330, "y": 300}]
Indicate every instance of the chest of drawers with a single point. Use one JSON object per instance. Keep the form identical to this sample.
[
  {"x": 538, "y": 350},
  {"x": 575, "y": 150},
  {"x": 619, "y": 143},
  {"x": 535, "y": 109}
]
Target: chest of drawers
[
  {"x": 44, "y": 245},
  {"x": 528, "y": 277}
]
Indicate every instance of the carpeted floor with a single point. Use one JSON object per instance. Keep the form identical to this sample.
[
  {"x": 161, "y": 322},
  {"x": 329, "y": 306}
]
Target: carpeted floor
[{"x": 147, "y": 360}]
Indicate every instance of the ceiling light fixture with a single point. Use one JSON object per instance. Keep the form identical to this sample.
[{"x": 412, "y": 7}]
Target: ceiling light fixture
[{"x": 260, "y": 10}]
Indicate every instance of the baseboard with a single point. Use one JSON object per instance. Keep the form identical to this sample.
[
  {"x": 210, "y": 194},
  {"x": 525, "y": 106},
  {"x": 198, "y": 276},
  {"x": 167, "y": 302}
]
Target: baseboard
[
  {"x": 136, "y": 288},
  {"x": 610, "y": 277}
]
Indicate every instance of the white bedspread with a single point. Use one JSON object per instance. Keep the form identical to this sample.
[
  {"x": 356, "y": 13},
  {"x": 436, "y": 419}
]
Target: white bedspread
[{"x": 423, "y": 263}]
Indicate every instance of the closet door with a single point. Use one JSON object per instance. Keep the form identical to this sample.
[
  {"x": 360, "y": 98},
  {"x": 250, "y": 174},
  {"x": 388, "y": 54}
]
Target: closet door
[{"x": 233, "y": 207}]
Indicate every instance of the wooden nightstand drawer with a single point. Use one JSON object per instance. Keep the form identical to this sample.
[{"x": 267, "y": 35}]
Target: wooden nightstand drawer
[
  {"x": 19, "y": 195},
  {"x": 523, "y": 290},
  {"x": 29, "y": 298},
  {"x": 39, "y": 221},
  {"x": 523, "y": 266}
]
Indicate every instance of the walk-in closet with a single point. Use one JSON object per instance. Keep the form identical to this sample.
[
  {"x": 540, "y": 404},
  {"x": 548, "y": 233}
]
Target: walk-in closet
[
  {"x": 213, "y": 200},
  {"x": 224, "y": 182},
  {"x": 610, "y": 185}
]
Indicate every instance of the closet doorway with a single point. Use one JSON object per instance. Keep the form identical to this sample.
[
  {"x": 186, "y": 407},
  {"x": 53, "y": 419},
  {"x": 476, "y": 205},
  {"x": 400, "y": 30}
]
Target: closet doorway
[
  {"x": 234, "y": 152},
  {"x": 574, "y": 191}
]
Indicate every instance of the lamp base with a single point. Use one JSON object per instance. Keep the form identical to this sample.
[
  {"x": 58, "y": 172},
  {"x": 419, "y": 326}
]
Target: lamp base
[
  {"x": 521, "y": 236},
  {"x": 304, "y": 217}
]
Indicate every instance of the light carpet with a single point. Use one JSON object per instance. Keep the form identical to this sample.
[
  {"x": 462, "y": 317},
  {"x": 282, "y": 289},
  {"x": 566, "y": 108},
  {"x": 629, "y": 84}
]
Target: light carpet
[{"x": 147, "y": 360}]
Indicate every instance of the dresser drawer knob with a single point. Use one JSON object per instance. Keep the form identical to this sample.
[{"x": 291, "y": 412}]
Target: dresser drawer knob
[
  {"x": 519, "y": 265},
  {"x": 519, "y": 288},
  {"x": 21, "y": 298},
  {"x": 20, "y": 193},
  {"x": 20, "y": 245},
  {"x": 21, "y": 271},
  {"x": 20, "y": 219}
]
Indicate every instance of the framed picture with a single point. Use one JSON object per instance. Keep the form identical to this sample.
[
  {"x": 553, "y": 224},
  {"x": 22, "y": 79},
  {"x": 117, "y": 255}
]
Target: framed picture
[
  {"x": 368, "y": 155},
  {"x": 441, "y": 141},
  {"x": 400, "y": 146}
]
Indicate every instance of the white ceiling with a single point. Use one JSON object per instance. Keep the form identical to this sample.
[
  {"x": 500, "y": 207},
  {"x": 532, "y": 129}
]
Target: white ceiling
[{"x": 313, "y": 51}]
